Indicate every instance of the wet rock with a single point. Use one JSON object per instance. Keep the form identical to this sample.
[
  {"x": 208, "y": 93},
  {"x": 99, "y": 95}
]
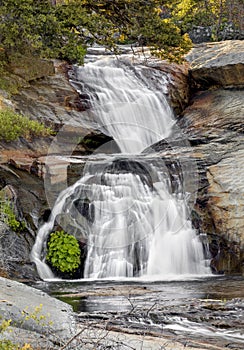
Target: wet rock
[
  {"x": 206, "y": 317},
  {"x": 125, "y": 166},
  {"x": 170, "y": 79},
  {"x": 177, "y": 83}
]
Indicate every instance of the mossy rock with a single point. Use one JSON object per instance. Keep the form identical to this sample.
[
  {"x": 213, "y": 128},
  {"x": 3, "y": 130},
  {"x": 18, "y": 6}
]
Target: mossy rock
[{"x": 31, "y": 67}]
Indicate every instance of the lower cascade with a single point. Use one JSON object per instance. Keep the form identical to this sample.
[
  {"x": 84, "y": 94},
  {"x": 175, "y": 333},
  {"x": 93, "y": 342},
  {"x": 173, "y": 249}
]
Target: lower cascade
[{"x": 129, "y": 209}]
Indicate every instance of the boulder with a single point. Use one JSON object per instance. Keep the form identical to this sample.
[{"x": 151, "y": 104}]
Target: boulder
[
  {"x": 218, "y": 63},
  {"x": 36, "y": 318}
]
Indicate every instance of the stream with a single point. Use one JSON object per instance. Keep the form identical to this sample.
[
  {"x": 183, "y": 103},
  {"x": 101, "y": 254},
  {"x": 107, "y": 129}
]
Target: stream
[{"x": 205, "y": 309}]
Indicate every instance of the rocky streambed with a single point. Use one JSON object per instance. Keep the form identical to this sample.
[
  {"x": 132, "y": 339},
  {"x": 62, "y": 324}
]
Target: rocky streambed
[{"x": 205, "y": 313}]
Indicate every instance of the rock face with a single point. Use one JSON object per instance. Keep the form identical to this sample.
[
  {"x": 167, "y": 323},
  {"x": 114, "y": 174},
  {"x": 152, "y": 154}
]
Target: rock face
[
  {"x": 26, "y": 196},
  {"x": 176, "y": 82},
  {"x": 37, "y": 319},
  {"x": 46, "y": 96},
  {"x": 214, "y": 123},
  {"x": 220, "y": 64}
]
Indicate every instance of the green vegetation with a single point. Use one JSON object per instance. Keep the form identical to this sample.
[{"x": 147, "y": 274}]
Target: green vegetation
[
  {"x": 8, "y": 81},
  {"x": 63, "y": 252},
  {"x": 214, "y": 13},
  {"x": 6, "y": 344},
  {"x": 34, "y": 315},
  {"x": 9, "y": 217},
  {"x": 14, "y": 125},
  {"x": 65, "y": 28}
]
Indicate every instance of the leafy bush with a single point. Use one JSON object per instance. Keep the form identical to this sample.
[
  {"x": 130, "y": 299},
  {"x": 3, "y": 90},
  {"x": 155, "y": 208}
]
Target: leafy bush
[
  {"x": 9, "y": 216},
  {"x": 63, "y": 252},
  {"x": 14, "y": 125}
]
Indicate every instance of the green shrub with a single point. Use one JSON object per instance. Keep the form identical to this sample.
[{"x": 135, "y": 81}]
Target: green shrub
[
  {"x": 9, "y": 216},
  {"x": 14, "y": 125},
  {"x": 63, "y": 252}
]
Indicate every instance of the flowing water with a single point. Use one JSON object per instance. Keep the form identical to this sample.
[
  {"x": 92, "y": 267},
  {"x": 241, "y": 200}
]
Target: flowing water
[
  {"x": 205, "y": 313},
  {"x": 132, "y": 213}
]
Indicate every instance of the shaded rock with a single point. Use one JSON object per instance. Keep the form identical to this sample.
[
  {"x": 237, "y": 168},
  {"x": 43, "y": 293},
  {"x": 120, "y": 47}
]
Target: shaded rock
[
  {"x": 220, "y": 63},
  {"x": 27, "y": 197},
  {"x": 228, "y": 31},
  {"x": 15, "y": 251},
  {"x": 16, "y": 235},
  {"x": 24, "y": 163},
  {"x": 215, "y": 116},
  {"x": 226, "y": 255},
  {"x": 29, "y": 190}
]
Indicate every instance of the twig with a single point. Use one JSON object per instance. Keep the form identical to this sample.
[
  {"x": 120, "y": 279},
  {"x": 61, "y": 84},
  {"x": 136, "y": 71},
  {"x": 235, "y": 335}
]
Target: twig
[{"x": 73, "y": 338}]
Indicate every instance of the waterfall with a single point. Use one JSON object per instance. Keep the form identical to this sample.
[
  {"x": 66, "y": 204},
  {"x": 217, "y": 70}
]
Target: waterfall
[
  {"x": 136, "y": 218},
  {"x": 125, "y": 107}
]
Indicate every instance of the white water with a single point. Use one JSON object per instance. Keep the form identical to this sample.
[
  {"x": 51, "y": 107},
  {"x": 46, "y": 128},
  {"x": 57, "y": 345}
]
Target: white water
[
  {"x": 127, "y": 109},
  {"x": 139, "y": 226}
]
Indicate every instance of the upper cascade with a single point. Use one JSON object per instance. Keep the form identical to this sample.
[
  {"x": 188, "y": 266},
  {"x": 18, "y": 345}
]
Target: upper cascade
[{"x": 125, "y": 103}]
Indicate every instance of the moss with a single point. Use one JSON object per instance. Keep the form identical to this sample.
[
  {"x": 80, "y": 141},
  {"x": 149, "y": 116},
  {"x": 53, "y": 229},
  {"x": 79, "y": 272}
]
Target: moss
[{"x": 30, "y": 67}]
